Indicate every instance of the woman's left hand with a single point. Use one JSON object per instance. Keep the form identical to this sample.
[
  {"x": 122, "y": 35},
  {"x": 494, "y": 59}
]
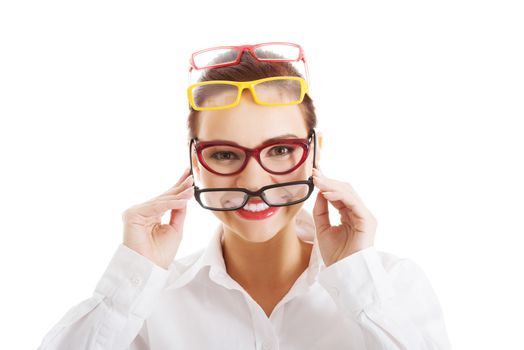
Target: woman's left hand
[{"x": 357, "y": 225}]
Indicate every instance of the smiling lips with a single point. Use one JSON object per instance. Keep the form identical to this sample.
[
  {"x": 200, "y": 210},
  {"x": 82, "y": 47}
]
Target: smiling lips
[{"x": 256, "y": 215}]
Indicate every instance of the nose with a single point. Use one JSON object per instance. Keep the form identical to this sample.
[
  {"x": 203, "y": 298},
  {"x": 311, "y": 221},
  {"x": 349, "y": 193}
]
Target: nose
[{"x": 253, "y": 176}]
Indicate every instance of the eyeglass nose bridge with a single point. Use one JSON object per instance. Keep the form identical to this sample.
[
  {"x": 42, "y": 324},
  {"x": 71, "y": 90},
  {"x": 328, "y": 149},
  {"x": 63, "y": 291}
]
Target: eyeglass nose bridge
[
  {"x": 243, "y": 86},
  {"x": 250, "y": 49},
  {"x": 253, "y": 153}
]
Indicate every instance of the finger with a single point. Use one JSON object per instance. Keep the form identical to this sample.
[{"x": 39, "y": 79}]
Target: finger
[
  {"x": 181, "y": 179},
  {"x": 321, "y": 213},
  {"x": 335, "y": 198},
  {"x": 183, "y": 176},
  {"x": 346, "y": 212},
  {"x": 177, "y": 217},
  {"x": 342, "y": 190},
  {"x": 340, "y": 195},
  {"x": 158, "y": 208},
  {"x": 188, "y": 192},
  {"x": 179, "y": 186},
  {"x": 348, "y": 186}
]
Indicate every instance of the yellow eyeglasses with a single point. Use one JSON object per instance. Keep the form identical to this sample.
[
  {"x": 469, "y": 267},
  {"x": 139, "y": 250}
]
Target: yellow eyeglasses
[{"x": 222, "y": 94}]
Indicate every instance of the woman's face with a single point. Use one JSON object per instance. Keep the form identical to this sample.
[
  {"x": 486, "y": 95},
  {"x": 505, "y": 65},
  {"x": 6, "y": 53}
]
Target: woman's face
[{"x": 249, "y": 125}]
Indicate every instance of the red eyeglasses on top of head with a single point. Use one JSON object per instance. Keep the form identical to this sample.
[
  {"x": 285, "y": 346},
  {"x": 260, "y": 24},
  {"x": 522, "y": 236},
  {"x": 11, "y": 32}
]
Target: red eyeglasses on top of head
[
  {"x": 228, "y": 158},
  {"x": 223, "y": 56}
]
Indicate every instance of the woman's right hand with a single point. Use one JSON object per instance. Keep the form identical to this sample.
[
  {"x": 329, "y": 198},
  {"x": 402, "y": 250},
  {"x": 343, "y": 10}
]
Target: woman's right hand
[{"x": 144, "y": 231}]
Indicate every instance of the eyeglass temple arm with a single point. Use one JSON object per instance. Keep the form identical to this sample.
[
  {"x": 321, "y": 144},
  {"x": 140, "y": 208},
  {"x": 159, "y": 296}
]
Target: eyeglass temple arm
[
  {"x": 315, "y": 147},
  {"x": 190, "y": 158},
  {"x": 308, "y": 78}
]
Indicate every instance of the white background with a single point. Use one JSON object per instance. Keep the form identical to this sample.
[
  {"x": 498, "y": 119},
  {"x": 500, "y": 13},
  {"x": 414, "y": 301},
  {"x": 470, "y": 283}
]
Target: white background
[{"x": 420, "y": 103}]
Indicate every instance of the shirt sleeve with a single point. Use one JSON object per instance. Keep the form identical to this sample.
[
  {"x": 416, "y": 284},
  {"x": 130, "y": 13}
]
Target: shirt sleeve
[
  {"x": 392, "y": 302},
  {"x": 113, "y": 318}
]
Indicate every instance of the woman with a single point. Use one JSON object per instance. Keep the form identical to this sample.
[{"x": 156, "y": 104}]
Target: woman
[{"x": 273, "y": 276}]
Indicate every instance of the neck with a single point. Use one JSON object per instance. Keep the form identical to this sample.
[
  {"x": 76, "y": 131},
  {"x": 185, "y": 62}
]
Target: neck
[{"x": 274, "y": 264}]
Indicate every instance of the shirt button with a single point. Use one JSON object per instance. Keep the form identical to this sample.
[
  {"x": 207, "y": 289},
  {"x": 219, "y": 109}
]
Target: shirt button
[{"x": 136, "y": 280}]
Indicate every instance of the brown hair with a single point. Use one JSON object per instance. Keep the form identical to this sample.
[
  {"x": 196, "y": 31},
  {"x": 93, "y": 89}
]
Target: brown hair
[{"x": 252, "y": 69}]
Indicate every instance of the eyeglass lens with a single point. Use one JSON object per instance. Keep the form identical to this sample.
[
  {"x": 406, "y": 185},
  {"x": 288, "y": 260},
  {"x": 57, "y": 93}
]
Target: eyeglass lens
[
  {"x": 277, "y": 158},
  {"x": 215, "y": 56},
  {"x": 229, "y": 55},
  {"x": 280, "y": 91},
  {"x": 287, "y": 52},
  {"x": 276, "y": 196}
]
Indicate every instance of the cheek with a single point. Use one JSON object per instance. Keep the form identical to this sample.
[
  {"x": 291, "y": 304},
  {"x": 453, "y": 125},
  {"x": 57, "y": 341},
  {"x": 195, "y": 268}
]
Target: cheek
[
  {"x": 210, "y": 180},
  {"x": 299, "y": 174},
  {"x": 293, "y": 209}
]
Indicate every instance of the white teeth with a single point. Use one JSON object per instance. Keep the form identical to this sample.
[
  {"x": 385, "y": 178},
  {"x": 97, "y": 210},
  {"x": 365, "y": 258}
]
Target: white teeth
[{"x": 256, "y": 207}]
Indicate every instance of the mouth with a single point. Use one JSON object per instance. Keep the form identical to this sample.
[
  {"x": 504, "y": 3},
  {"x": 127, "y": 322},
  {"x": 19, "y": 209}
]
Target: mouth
[{"x": 256, "y": 209}]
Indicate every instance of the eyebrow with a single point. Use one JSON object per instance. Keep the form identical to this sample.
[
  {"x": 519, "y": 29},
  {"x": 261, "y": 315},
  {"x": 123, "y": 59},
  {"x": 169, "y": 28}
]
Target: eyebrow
[
  {"x": 280, "y": 137},
  {"x": 266, "y": 141}
]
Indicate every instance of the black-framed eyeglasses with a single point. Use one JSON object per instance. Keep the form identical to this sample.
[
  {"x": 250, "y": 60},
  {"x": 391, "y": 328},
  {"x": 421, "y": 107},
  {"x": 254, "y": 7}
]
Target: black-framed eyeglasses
[{"x": 274, "y": 195}]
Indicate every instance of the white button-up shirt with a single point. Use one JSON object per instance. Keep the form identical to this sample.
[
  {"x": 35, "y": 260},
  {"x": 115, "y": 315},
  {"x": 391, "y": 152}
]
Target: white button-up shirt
[{"x": 368, "y": 300}]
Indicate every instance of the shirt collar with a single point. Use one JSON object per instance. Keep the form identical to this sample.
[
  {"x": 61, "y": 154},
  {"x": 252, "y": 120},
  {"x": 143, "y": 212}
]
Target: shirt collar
[{"x": 184, "y": 271}]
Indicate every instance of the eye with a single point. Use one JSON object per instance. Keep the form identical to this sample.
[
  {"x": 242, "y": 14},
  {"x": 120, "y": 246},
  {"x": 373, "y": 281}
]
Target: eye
[
  {"x": 224, "y": 155},
  {"x": 281, "y": 150}
]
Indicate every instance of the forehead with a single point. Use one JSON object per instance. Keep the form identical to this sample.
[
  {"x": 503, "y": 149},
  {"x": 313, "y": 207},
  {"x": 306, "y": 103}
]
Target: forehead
[{"x": 250, "y": 124}]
